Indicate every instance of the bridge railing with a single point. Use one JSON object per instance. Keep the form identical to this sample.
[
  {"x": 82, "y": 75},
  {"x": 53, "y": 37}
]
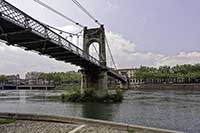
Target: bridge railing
[
  {"x": 117, "y": 74},
  {"x": 23, "y": 20}
]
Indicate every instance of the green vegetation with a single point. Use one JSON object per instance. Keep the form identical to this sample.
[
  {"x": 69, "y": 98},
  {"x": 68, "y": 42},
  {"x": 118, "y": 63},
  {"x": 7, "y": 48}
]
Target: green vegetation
[
  {"x": 3, "y": 78},
  {"x": 6, "y": 121},
  {"x": 165, "y": 74},
  {"x": 131, "y": 131},
  {"x": 61, "y": 78},
  {"x": 74, "y": 95}
]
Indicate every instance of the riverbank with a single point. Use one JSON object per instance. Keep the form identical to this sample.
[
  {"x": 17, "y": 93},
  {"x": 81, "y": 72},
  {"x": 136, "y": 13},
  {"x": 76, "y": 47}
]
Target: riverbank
[
  {"x": 166, "y": 86},
  {"x": 53, "y": 124}
]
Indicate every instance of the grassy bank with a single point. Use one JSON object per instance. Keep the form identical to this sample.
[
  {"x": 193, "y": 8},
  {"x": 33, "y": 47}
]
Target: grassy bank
[{"x": 6, "y": 121}]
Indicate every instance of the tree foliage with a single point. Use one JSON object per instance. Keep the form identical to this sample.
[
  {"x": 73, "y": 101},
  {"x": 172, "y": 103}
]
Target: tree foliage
[
  {"x": 185, "y": 73},
  {"x": 3, "y": 78},
  {"x": 62, "y": 77}
]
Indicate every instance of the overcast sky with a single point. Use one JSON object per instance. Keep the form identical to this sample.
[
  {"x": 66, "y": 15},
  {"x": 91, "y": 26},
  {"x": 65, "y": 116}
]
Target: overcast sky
[{"x": 140, "y": 32}]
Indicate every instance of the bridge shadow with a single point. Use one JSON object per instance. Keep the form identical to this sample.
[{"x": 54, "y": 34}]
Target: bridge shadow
[{"x": 99, "y": 111}]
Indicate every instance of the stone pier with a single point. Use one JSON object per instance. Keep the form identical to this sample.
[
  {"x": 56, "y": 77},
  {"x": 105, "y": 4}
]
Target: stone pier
[
  {"x": 97, "y": 81},
  {"x": 93, "y": 78}
]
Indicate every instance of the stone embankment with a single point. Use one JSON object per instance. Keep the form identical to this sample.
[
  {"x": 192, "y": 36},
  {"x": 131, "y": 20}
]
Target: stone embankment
[{"x": 53, "y": 124}]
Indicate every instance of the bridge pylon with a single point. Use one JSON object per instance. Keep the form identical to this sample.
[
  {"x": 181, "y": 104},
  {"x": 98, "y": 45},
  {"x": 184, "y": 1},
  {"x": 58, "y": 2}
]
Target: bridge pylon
[{"x": 95, "y": 78}]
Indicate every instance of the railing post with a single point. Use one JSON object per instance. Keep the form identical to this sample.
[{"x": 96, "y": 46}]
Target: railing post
[
  {"x": 70, "y": 47},
  {"x": 71, "y": 38},
  {"x": 26, "y": 22},
  {"x": 46, "y": 32},
  {"x": 77, "y": 40},
  {"x": 77, "y": 51},
  {"x": 59, "y": 40}
]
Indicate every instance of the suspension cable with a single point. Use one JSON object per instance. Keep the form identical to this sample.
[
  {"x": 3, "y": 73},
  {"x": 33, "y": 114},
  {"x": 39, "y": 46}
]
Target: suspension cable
[
  {"x": 62, "y": 31},
  {"x": 96, "y": 21},
  {"x": 96, "y": 50},
  {"x": 78, "y": 34},
  {"x": 86, "y": 11},
  {"x": 112, "y": 59},
  {"x": 55, "y": 11}
]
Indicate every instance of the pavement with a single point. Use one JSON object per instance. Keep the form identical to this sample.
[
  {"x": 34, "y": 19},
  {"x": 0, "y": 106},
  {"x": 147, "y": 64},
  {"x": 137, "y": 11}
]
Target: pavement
[{"x": 22, "y": 126}]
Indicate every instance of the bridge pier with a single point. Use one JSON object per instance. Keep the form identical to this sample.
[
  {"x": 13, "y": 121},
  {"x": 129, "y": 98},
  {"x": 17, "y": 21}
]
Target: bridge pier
[
  {"x": 96, "y": 81},
  {"x": 92, "y": 78}
]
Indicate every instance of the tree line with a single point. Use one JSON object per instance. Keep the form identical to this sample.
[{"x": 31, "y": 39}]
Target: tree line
[
  {"x": 60, "y": 78},
  {"x": 53, "y": 78},
  {"x": 165, "y": 74}
]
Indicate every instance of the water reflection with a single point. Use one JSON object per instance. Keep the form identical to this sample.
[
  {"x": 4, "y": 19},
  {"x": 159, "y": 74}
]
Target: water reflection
[
  {"x": 22, "y": 96},
  {"x": 99, "y": 111}
]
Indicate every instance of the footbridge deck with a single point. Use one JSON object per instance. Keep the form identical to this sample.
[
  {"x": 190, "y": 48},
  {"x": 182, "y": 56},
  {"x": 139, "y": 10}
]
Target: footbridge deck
[{"x": 21, "y": 30}]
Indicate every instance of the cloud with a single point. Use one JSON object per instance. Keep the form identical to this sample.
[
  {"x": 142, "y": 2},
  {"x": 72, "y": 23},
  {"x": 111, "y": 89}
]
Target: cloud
[
  {"x": 181, "y": 58},
  {"x": 112, "y": 5},
  {"x": 126, "y": 56},
  {"x": 16, "y": 60}
]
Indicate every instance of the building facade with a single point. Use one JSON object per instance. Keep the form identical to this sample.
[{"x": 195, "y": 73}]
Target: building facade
[
  {"x": 33, "y": 78},
  {"x": 130, "y": 74},
  {"x": 13, "y": 79}
]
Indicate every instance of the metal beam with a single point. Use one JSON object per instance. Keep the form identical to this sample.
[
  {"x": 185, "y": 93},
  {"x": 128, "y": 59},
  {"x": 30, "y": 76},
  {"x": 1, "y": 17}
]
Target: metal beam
[
  {"x": 33, "y": 42},
  {"x": 49, "y": 49},
  {"x": 69, "y": 55},
  {"x": 14, "y": 33},
  {"x": 59, "y": 53},
  {"x": 74, "y": 60}
]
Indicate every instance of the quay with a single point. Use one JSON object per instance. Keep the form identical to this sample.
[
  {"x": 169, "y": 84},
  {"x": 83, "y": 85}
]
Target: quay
[{"x": 34, "y": 123}]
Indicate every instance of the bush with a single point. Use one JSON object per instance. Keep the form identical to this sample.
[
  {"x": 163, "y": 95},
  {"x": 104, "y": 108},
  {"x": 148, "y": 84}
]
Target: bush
[
  {"x": 71, "y": 97},
  {"x": 89, "y": 95}
]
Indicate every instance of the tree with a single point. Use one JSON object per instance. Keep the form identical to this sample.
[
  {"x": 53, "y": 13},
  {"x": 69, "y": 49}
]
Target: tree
[
  {"x": 186, "y": 73},
  {"x": 3, "y": 79}
]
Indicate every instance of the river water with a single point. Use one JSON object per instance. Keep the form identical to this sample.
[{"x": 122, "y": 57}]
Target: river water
[{"x": 168, "y": 109}]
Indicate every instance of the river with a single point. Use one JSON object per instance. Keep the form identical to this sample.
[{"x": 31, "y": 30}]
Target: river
[{"x": 168, "y": 109}]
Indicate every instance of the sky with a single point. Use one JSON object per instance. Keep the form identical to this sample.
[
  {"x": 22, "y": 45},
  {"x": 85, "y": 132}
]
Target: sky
[{"x": 140, "y": 32}]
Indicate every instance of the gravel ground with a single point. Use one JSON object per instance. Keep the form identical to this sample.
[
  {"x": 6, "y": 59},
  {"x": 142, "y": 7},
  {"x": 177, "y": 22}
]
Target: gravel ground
[
  {"x": 36, "y": 127},
  {"x": 21, "y": 126}
]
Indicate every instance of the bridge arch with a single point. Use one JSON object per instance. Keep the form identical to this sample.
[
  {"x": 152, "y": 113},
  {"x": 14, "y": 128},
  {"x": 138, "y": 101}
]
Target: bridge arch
[
  {"x": 94, "y": 50},
  {"x": 95, "y": 35}
]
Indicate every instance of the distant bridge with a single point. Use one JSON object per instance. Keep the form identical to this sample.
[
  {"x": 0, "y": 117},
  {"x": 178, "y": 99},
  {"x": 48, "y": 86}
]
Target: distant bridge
[
  {"x": 21, "y": 30},
  {"x": 31, "y": 87}
]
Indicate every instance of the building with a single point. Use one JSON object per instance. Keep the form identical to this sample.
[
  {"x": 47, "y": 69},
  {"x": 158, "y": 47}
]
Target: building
[
  {"x": 32, "y": 78},
  {"x": 130, "y": 74},
  {"x": 13, "y": 79}
]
